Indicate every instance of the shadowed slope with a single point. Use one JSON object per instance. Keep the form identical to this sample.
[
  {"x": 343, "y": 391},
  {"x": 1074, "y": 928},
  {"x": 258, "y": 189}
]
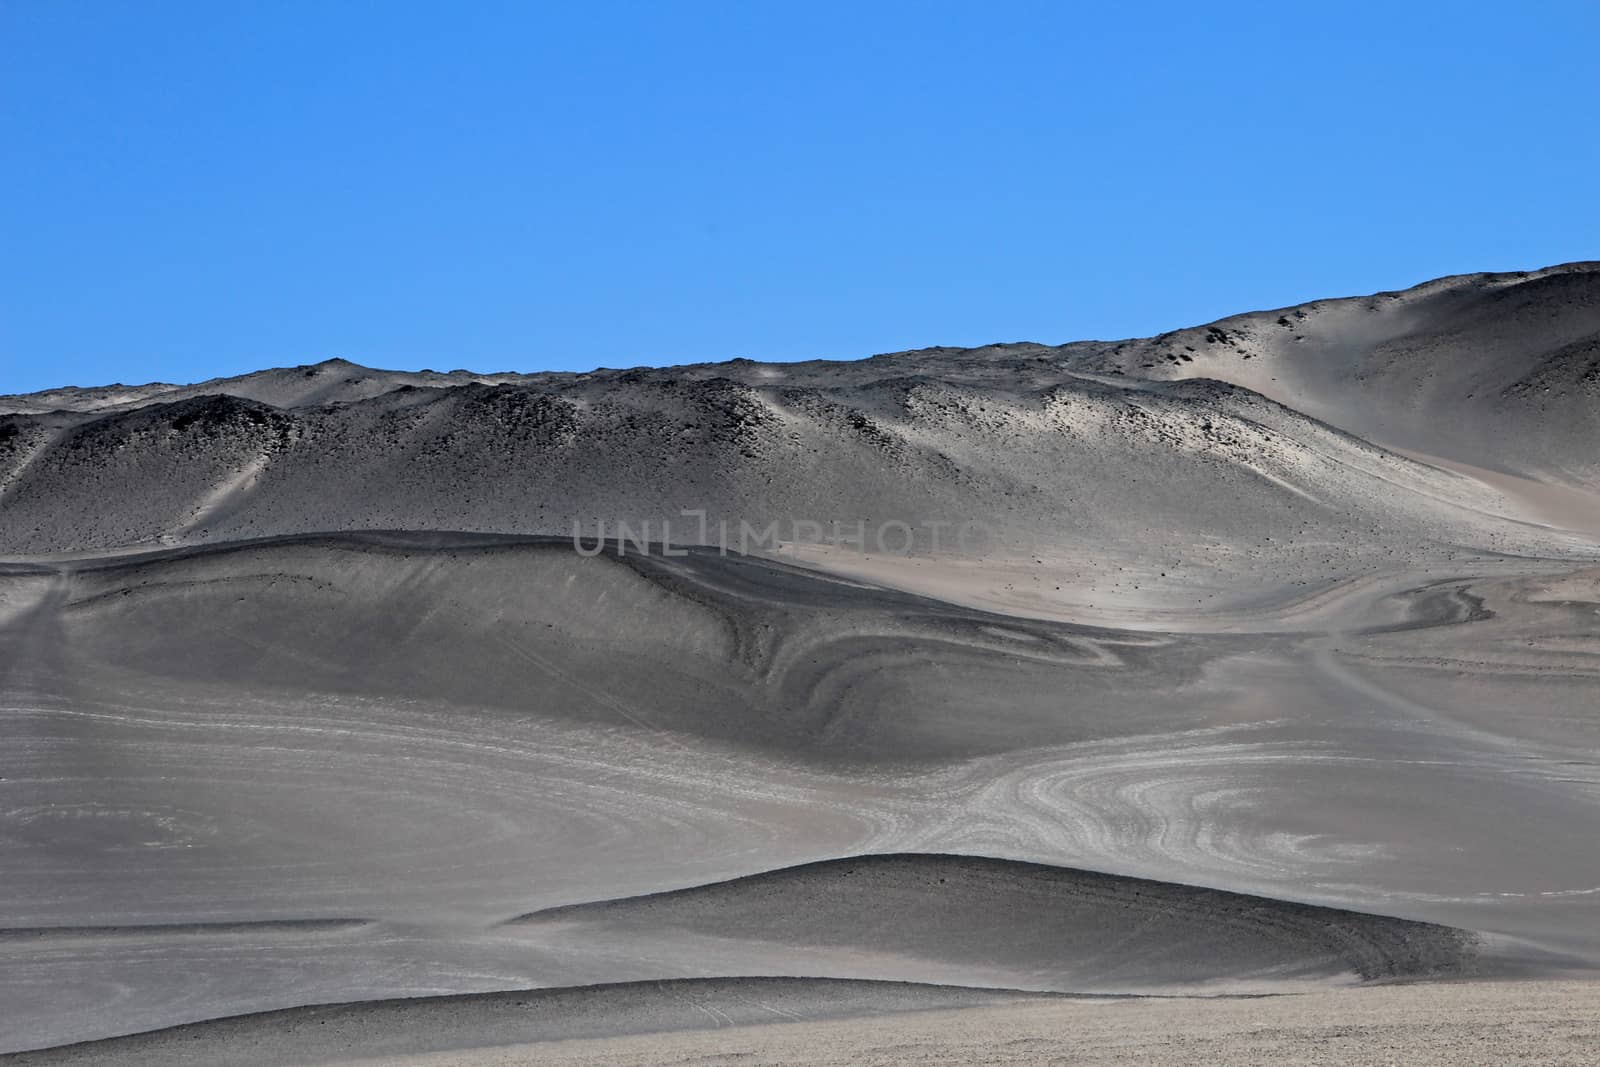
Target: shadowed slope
[
  {"x": 1041, "y": 927},
  {"x": 736, "y": 650},
  {"x": 1032, "y": 466},
  {"x": 327, "y": 1033}
]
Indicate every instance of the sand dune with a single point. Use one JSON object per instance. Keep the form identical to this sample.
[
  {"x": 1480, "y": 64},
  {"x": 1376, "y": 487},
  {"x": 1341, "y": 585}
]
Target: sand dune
[
  {"x": 327, "y": 1033},
  {"x": 436, "y": 732},
  {"x": 1049, "y": 927},
  {"x": 1498, "y": 370},
  {"x": 1288, "y": 624}
]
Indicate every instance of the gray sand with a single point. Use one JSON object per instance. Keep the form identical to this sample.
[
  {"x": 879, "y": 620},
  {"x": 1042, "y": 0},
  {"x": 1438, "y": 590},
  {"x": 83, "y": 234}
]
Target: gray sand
[
  {"x": 1524, "y": 1024},
  {"x": 398, "y": 1028},
  {"x": 1299, "y": 610}
]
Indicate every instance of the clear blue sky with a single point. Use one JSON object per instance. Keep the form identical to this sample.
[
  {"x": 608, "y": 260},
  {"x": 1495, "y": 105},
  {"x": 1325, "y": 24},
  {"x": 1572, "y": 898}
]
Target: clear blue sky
[{"x": 197, "y": 189}]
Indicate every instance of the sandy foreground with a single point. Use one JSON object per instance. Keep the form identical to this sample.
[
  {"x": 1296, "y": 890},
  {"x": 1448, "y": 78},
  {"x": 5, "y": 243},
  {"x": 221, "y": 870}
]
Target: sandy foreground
[{"x": 1487, "y": 1023}]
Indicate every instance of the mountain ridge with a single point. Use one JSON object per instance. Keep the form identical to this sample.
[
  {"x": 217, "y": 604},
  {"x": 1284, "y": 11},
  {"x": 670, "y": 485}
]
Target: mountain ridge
[
  {"x": 1450, "y": 421},
  {"x": 151, "y": 392}
]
